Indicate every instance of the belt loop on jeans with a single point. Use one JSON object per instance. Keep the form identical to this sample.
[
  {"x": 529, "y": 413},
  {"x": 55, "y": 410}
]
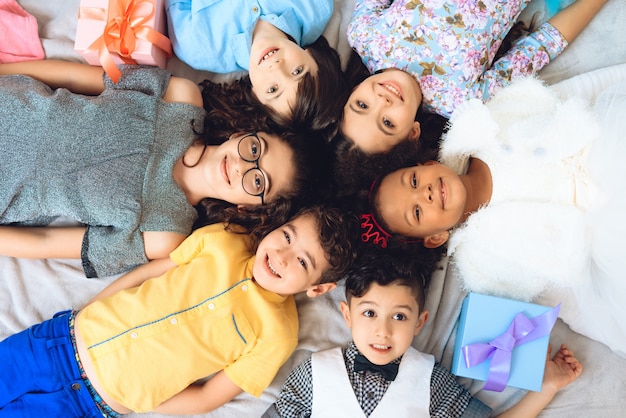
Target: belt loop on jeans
[
  {"x": 55, "y": 342},
  {"x": 61, "y": 313}
]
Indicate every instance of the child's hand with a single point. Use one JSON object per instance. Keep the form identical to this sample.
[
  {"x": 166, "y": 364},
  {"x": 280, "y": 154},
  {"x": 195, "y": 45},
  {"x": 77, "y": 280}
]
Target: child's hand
[{"x": 561, "y": 370}]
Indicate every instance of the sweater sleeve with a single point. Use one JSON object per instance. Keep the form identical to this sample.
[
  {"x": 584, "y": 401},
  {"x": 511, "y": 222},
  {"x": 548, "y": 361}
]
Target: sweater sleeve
[
  {"x": 527, "y": 56},
  {"x": 366, "y": 36},
  {"x": 149, "y": 80},
  {"x": 110, "y": 250}
]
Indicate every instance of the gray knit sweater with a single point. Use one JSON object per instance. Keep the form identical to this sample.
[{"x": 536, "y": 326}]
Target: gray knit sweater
[{"x": 105, "y": 161}]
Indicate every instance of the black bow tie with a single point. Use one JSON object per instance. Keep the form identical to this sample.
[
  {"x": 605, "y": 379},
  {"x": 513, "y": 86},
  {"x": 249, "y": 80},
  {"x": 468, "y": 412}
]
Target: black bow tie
[{"x": 362, "y": 364}]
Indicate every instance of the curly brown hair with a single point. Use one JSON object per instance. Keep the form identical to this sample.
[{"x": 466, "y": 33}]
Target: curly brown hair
[
  {"x": 231, "y": 107},
  {"x": 308, "y": 185},
  {"x": 338, "y": 234}
]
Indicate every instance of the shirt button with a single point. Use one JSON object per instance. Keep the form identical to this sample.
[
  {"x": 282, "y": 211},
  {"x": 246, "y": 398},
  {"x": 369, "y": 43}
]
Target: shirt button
[
  {"x": 244, "y": 287},
  {"x": 255, "y": 9},
  {"x": 211, "y": 306},
  {"x": 76, "y": 386},
  {"x": 370, "y": 395},
  {"x": 133, "y": 335},
  {"x": 173, "y": 321}
]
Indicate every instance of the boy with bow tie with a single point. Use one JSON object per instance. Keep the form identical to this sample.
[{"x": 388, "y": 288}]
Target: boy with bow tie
[{"x": 380, "y": 374}]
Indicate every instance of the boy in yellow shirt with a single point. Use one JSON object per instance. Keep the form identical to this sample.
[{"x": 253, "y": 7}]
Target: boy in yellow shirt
[{"x": 214, "y": 307}]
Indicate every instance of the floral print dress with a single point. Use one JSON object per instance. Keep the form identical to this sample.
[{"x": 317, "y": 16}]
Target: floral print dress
[{"x": 449, "y": 45}]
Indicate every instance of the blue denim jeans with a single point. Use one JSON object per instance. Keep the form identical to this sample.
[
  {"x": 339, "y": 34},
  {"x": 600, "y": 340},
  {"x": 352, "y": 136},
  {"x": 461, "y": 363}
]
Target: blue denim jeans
[{"x": 39, "y": 376}]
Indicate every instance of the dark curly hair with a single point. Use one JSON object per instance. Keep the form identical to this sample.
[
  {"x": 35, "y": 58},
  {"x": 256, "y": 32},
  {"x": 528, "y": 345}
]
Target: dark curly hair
[
  {"x": 385, "y": 267},
  {"x": 338, "y": 236},
  {"x": 308, "y": 185},
  {"x": 364, "y": 203},
  {"x": 337, "y": 233},
  {"x": 231, "y": 107},
  {"x": 252, "y": 220}
]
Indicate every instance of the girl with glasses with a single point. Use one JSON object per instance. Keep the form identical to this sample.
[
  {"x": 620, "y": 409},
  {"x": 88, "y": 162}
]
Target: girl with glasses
[{"x": 132, "y": 163}]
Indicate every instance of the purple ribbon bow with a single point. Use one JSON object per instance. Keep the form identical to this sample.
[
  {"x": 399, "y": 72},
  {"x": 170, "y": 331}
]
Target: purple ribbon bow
[{"x": 521, "y": 330}]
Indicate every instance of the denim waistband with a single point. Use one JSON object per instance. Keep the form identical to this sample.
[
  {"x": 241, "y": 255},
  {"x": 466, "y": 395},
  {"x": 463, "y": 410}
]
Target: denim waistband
[{"x": 106, "y": 410}]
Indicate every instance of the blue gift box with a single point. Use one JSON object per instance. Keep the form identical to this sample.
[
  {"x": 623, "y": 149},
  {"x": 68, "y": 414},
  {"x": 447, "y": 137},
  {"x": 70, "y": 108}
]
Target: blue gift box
[{"x": 484, "y": 318}]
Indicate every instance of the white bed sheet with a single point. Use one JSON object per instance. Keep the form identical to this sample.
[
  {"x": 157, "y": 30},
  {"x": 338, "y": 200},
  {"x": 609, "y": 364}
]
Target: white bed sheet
[{"x": 33, "y": 290}]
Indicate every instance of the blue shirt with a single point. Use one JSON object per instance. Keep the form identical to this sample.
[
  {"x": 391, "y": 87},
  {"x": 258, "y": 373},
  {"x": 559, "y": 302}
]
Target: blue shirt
[{"x": 215, "y": 35}]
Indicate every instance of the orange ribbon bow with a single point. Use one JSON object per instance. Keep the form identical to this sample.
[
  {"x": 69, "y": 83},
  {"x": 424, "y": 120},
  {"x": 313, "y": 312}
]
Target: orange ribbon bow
[{"x": 126, "y": 21}]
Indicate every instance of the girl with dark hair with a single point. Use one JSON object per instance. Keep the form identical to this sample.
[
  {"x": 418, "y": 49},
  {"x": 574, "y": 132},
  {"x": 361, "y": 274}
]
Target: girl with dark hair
[
  {"x": 528, "y": 196},
  {"x": 441, "y": 53},
  {"x": 128, "y": 162},
  {"x": 355, "y": 169}
]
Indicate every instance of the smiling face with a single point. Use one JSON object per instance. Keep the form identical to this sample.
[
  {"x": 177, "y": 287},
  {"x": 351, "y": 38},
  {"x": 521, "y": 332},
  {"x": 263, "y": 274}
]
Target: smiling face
[
  {"x": 291, "y": 259},
  {"x": 384, "y": 321},
  {"x": 220, "y": 170},
  {"x": 421, "y": 201},
  {"x": 381, "y": 111},
  {"x": 277, "y": 65}
]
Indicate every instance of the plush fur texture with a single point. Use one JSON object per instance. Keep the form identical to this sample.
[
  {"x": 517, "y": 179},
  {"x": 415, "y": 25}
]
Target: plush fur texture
[{"x": 526, "y": 239}]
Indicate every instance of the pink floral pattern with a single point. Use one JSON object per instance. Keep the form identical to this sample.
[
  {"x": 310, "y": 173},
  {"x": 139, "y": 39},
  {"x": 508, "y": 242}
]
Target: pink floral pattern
[{"x": 449, "y": 45}]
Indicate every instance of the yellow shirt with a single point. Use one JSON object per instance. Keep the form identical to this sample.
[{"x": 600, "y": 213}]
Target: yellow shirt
[{"x": 150, "y": 342}]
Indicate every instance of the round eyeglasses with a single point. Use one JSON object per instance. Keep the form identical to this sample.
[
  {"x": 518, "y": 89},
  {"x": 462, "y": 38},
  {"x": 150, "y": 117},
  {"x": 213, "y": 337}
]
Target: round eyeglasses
[{"x": 253, "y": 180}]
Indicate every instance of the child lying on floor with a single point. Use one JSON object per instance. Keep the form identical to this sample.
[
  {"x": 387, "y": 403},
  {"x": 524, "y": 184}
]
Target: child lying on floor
[
  {"x": 380, "y": 374},
  {"x": 213, "y": 307}
]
